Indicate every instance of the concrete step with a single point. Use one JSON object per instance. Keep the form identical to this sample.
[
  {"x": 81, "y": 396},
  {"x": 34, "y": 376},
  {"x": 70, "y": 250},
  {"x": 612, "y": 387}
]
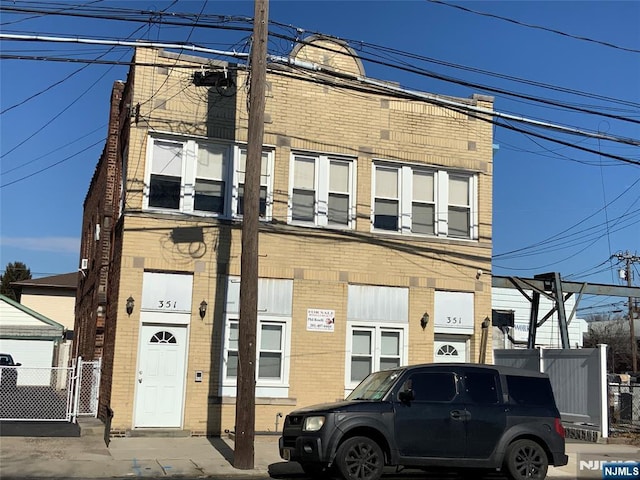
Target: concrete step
[{"x": 90, "y": 427}]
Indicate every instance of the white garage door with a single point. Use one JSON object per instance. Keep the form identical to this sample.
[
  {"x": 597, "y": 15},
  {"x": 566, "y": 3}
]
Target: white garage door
[{"x": 30, "y": 353}]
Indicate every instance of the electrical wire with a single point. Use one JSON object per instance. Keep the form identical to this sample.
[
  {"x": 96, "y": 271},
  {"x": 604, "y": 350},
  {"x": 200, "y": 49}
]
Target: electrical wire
[
  {"x": 53, "y": 164},
  {"x": 538, "y": 27}
]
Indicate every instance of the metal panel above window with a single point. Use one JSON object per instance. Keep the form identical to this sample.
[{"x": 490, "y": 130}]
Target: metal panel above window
[{"x": 371, "y": 303}]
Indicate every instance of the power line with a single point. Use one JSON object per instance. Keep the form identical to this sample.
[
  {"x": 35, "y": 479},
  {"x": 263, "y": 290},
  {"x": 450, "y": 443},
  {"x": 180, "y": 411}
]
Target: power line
[
  {"x": 384, "y": 86},
  {"x": 538, "y": 27},
  {"x": 53, "y": 164},
  {"x": 222, "y": 20}
]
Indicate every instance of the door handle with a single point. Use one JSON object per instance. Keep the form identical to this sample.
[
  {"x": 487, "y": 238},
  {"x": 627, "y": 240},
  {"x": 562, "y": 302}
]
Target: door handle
[{"x": 460, "y": 415}]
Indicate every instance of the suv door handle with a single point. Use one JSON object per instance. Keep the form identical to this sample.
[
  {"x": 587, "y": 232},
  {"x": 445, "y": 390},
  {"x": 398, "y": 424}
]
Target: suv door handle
[{"x": 460, "y": 415}]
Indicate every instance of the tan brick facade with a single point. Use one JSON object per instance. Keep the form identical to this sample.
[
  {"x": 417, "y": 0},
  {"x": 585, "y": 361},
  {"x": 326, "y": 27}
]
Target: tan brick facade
[{"x": 302, "y": 115}]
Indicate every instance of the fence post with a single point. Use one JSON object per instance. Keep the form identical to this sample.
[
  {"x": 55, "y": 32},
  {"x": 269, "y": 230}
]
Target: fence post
[
  {"x": 77, "y": 377},
  {"x": 541, "y": 359},
  {"x": 604, "y": 391}
]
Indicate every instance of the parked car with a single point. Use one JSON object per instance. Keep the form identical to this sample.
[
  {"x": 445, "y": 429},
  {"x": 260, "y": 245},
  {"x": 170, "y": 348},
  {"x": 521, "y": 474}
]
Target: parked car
[
  {"x": 454, "y": 416},
  {"x": 8, "y": 374}
]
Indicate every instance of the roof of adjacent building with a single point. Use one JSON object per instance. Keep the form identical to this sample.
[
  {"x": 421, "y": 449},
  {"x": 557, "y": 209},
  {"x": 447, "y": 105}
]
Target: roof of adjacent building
[
  {"x": 18, "y": 321},
  {"x": 68, "y": 281}
]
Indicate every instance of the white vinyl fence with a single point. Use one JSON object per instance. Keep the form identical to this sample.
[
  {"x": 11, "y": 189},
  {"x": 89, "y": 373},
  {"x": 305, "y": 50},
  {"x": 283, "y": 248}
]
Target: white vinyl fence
[{"x": 578, "y": 378}]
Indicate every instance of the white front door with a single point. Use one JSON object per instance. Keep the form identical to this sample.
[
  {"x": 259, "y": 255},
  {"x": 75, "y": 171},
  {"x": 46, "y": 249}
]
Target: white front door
[
  {"x": 449, "y": 349},
  {"x": 160, "y": 376}
]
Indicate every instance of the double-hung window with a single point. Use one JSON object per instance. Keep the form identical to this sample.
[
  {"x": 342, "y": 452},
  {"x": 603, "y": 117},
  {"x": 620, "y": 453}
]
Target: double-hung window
[
  {"x": 339, "y": 194},
  {"x": 165, "y": 184},
  {"x": 273, "y": 333},
  {"x": 423, "y": 207},
  {"x": 203, "y": 177},
  {"x": 303, "y": 202},
  {"x": 264, "y": 182},
  {"x": 377, "y": 329},
  {"x": 459, "y": 206},
  {"x": 387, "y": 200},
  {"x": 270, "y": 352},
  {"x": 374, "y": 348},
  {"x": 211, "y": 178},
  {"x": 322, "y": 191},
  {"x": 417, "y": 200}
]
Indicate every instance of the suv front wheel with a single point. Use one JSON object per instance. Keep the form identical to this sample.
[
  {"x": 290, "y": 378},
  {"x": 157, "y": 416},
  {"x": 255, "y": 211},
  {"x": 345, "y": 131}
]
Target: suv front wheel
[
  {"x": 360, "y": 458},
  {"x": 526, "y": 459}
]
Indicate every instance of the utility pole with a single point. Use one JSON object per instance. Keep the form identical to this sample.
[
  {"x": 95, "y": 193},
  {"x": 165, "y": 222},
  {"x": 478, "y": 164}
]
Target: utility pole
[
  {"x": 629, "y": 259},
  {"x": 243, "y": 457}
]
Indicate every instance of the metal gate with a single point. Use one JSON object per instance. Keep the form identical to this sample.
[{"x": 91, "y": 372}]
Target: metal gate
[{"x": 50, "y": 393}]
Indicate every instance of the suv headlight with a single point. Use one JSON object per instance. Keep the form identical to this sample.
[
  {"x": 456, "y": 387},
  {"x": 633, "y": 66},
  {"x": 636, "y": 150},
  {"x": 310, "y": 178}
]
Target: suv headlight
[{"x": 313, "y": 424}]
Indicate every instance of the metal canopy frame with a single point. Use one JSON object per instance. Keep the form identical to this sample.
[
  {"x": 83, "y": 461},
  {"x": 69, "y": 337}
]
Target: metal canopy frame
[{"x": 559, "y": 291}]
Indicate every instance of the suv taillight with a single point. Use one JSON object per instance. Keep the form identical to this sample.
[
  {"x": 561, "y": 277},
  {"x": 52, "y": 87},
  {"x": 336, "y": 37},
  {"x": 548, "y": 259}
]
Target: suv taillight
[{"x": 559, "y": 427}]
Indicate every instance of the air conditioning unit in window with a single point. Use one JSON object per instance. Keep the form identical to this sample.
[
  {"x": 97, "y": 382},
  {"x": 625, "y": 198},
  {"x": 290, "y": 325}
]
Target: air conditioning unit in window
[{"x": 84, "y": 264}]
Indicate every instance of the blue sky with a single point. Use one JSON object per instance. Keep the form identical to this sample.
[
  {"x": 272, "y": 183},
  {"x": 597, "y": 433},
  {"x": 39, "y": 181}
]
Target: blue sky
[{"x": 555, "y": 208}]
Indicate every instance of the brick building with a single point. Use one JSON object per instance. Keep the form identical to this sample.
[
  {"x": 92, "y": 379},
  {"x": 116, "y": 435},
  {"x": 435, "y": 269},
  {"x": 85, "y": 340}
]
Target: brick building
[{"x": 375, "y": 221}]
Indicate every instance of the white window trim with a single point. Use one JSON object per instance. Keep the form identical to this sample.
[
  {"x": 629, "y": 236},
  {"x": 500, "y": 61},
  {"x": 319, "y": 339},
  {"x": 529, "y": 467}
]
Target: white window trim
[
  {"x": 441, "y": 200},
  {"x": 237, "y": 149},
  {"x": 321, "y": 186},
  {"x": 188, "y": 177},
  {"x": 377, "y": 328},
  {"x": 264, "y": 388}
]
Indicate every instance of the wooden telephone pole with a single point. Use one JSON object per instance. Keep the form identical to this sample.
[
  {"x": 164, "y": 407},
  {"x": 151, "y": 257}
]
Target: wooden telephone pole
[
  {"x": 243, "y": 457},
  {"x": 629, "y": 259}
]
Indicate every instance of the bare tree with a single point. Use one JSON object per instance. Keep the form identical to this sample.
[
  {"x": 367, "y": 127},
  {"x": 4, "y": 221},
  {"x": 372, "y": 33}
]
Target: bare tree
[{"x": 613, "y": 331}]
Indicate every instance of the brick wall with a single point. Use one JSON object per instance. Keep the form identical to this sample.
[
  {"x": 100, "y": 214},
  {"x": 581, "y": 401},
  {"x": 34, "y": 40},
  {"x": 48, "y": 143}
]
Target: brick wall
[{"x": 300, "y": 116}]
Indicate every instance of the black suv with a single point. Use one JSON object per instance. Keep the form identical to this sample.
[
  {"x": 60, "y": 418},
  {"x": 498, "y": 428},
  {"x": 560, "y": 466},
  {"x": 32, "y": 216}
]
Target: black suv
[{"x": 455, "y": 416}]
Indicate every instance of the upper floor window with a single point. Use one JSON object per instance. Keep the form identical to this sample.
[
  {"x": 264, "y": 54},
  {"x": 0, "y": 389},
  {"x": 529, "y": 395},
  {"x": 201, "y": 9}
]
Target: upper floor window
[
  {"x": 165, "y": 182},
  {"x": 410, "y": 199},
  {"x": 201, "y": 177},
  {"x": 264, "y": 182},
  {"x": 322, "y": 190},
  {"x": 459, "y": 206},
  {"x": 211, "y": 175}
]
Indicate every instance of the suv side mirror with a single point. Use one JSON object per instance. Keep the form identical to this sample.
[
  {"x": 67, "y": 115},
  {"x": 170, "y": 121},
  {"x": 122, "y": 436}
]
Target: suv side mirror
[{"x": 406, "y": 396}]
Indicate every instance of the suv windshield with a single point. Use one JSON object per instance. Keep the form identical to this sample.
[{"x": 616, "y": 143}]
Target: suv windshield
[{"x": 375, "y": 386}]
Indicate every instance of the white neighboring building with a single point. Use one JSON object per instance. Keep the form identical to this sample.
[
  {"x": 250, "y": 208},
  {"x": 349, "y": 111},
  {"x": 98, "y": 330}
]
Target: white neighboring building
[
  {"x": 31, "y": 339},
  {"x": 548, "y": 335}
]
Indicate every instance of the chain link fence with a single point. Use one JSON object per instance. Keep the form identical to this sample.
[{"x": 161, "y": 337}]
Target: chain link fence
[
  {"x": 624, "y": 406},
  {"x": 87, "y": 388},
  {"x": 49, "y": 393}
]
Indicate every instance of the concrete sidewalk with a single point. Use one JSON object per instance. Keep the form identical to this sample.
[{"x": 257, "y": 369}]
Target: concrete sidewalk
[{"x": 89, "y": 457}]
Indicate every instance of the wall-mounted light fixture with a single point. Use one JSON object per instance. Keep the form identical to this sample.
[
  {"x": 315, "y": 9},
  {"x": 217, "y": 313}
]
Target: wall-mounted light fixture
[
  {"x": 203, "y": 309},
  {"x": 424, "y": 320},
  {"x": 130, "y": 304}
]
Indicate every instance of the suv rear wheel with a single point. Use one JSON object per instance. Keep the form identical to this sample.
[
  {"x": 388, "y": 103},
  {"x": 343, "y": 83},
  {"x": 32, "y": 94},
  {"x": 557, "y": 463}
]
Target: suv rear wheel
[
  {"x": 360, "y": 458},
  {"x": 526, "y": 459}
]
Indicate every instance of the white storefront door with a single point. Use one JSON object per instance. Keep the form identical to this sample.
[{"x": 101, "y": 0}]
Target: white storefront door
[
  {"x": 449, "y": 349},
  {"x": 161, "y": 375}
]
